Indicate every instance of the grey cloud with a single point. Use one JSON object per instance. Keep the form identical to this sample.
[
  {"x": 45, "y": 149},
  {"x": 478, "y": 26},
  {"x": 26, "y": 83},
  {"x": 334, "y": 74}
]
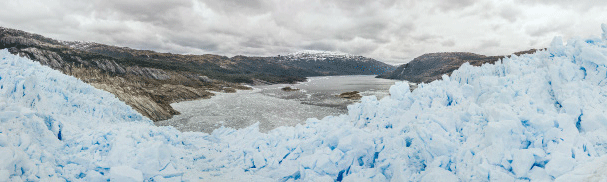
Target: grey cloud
[
  {"x": 198, "y": 42},
  {"x": 425, "y": 37},
  {"x": 238, "y": 6},
  {"x": 254, "y": 42},
  {"x": 509, "y": 13},
  {"x": 579, "y": 5},
  {"x": 320, "y": 46},
  {"x": 489, "y": 44},
  {"x": 358, "y": 46},
  {"x": 156, "y": 12},
  {"x": 541, "y": 30},
  {"x": 359, "y": 49},
  {"x": 362, "y": 8},
  {"x": 368, "y": 30},
  {"x": 141, "y": 8},
  {"x": 451, "y": 5},
  {"x": 448, "y": 43},
  {"x": 390, "y": 30}
]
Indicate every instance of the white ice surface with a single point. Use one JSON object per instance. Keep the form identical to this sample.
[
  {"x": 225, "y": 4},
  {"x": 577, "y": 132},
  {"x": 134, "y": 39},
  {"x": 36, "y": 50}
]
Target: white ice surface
[
  {"x": 125, "y": 173},
  {"x": 532, "y": 117}
]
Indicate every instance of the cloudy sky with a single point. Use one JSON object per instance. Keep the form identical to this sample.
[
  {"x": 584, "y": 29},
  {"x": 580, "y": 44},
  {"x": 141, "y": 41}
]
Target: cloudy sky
[{"x": 387, "y": 30}]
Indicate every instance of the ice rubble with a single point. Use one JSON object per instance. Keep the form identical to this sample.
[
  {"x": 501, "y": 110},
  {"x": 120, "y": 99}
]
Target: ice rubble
[{"x": 537, "y": 117}]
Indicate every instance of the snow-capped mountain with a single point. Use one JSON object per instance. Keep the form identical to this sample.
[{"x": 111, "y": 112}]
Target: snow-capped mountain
[
  {"x": 334, "y": 63},
  {"x": 317, "y": 55}
]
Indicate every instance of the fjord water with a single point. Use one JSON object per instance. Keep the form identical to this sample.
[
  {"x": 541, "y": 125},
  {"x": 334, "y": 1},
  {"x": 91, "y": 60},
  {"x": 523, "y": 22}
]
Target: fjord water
[{"x": 272, "y": 107}]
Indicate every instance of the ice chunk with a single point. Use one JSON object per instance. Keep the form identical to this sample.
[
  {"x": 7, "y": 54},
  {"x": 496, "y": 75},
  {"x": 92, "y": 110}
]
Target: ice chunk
[
  {"x": 522, "y": 161},
  {"x": 399, "y": 90},
  {"x": 594, "y": 56},
  {"x": 3, "y": 140},
  {"x": 258, "y": 160},
  {"x": 539, "y": 174},
  {"x": 95, "y": 176},
  {"x": 560, "y": 164},
  {"x": 439, "y": 174},
  {"x": 556, "y": 47},
  {"x": 169, "y": 172},
  {"x": 591, "y": 171},
  {"x": 125, "y": 173},
  {"x": 4, "y": 175}
]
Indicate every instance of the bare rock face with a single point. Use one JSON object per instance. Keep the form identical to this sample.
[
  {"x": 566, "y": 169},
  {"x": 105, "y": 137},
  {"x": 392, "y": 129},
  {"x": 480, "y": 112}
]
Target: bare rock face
[
  {"x": 151, "y": 73},
  {"x": 150, "y": 99},
  {"x": 354, "y": 95},
  {"x": 429, "y": 67},
  {"x": 289, "y": 89}
]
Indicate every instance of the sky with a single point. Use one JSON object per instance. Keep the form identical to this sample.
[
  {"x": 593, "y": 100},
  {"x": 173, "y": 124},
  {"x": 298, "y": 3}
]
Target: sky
[{"x": 387, "y": 30}]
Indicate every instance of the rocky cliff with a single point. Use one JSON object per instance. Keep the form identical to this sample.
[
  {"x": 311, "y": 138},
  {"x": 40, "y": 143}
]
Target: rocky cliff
[{"x": 429, "y": 67}]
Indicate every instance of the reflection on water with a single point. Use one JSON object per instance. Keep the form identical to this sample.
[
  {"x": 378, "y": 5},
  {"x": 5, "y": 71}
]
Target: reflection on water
[{"x": 273, "y": 107}]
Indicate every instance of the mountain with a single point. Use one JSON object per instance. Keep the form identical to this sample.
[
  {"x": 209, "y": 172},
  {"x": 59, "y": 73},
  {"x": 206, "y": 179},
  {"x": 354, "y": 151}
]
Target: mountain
[
  {"x": 332, "y": 63},
  {"x": 150, "y": 81},
  {"x": 429, "y": 67}
]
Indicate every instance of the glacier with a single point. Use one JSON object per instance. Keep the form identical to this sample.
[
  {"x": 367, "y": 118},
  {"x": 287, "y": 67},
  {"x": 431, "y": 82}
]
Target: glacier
[{"x": 538, "y": 117}]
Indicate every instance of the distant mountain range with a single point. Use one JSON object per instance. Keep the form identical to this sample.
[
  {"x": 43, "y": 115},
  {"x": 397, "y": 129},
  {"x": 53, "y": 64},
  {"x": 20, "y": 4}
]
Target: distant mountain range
[
  {"x": 150, "y": 81},
  {"x": 429, "y": 67},
  {"x": 331, "y": 63}
]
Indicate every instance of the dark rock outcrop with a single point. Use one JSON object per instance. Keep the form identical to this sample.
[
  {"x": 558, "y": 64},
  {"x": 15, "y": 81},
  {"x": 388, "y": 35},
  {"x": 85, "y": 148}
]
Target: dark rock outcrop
[
  {"x": 354, "y": 95},
  {"x": 429, "y": 67},
  {"x": 289, "y": 89}
]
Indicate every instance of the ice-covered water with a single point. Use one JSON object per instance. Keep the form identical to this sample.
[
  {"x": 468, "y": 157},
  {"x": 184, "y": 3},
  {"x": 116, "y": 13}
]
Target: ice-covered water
[{"x": 272, "y": 107}]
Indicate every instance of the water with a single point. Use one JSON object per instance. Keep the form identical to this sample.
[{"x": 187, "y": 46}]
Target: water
[{"x": 272, "y": 107}]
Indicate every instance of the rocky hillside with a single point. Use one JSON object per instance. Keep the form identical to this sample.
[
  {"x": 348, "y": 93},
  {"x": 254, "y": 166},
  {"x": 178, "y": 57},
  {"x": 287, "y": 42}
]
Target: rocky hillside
[
  {"x": 429, "y": 67},
  {"x": 149, "y": 81}
]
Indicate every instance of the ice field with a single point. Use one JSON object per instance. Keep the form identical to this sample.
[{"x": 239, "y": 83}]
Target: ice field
[{"x": 538, "y": 117}]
